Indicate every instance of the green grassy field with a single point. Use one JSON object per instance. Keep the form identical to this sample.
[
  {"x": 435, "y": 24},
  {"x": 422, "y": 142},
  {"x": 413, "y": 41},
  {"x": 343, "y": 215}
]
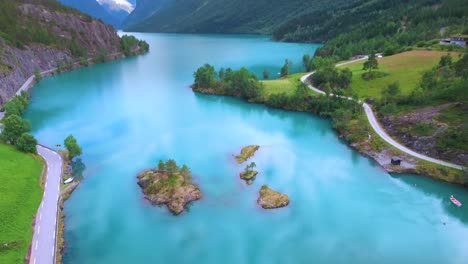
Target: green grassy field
[
  {"x": 406, "y": 68},
  {"x": 284, "y": 85},
  {"x": 20, "y": 196}
]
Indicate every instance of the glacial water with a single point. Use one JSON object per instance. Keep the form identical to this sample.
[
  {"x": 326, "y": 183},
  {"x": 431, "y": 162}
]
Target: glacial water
[{"x": 128, "y": 114}]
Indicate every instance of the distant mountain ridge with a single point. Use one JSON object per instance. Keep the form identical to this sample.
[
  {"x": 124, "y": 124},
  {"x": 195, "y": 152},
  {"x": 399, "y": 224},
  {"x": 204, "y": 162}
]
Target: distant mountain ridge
[
  {"x": 348, "y": 27},
  {"x": 112, "y": 12}
]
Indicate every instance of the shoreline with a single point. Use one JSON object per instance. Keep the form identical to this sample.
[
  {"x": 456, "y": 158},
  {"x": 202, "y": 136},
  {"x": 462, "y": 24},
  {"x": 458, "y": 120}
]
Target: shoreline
[
  {"x": 375, "y": 124},
  {"x": 62, "y": 195},
  {"x": 410, "y": 164}
]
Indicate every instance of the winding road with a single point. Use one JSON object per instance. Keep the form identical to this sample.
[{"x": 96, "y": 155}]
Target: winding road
[
  {"x": 43, "y": 243},
  {"x": 44, "y": 238},
  {"x": 376, "y": 126}
]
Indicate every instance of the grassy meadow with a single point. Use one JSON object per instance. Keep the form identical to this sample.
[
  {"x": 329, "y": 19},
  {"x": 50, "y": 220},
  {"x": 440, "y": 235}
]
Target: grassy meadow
[
  {"x": 283, "y": 85},
  {"x": 20, "y": 196},
  {"x": 406, "y": 68}
]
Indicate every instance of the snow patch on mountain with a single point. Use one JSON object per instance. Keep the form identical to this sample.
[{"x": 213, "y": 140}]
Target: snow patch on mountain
[{"x": 117, "y": 5}]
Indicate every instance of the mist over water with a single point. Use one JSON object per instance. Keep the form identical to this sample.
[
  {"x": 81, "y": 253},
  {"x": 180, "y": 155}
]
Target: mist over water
[{"x": 128, "y": 114}]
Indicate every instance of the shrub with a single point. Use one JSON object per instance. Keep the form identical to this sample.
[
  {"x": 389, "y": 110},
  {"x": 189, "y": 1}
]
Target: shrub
[{"x": 26, "y": 143}]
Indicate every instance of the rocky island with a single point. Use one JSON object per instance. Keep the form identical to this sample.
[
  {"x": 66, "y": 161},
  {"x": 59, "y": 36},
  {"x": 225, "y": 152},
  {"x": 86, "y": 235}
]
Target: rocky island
[
  {"x": 247, "y": 153},
  {"x": 249, "y": 174},
  {"x": 271, "y": 199},
  {"x": 170, "y": 185}
]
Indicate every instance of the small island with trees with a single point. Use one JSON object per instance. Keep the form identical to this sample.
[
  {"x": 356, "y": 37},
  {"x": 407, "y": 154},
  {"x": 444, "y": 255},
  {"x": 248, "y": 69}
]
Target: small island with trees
[
  {"x": 169, "y": 184},
  {"x": 249, "y": 173}
]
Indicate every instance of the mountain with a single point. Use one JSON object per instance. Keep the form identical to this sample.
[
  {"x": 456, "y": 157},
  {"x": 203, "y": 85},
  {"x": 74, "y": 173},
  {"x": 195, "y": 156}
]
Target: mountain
[
  {"x": 224, "y": 16},
  {"x": 145, "y": 9},
  {"x": 347, "y": 27},
  {"x": 39, "y": 35},
  {"x": 112, "y": 12}
]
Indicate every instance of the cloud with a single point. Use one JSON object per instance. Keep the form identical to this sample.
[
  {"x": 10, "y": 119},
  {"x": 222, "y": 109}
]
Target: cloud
[{"x": 117, "y": 5}]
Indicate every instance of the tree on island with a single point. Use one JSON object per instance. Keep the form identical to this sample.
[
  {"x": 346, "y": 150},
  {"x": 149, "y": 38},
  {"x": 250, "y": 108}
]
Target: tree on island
[
  {"x": 205, "y": 76},
  {"x": 161, "y": 166},
  {"x": 74, "y": 150},
  {"x": 186, "y": 173},
  {"x": 266, "y": 74},
  {"x": 171, "y": 167},
  {"x": 250, "y": 167},
  {"x": 285, "y": 69},
  {"x": 371, "y": 63}
]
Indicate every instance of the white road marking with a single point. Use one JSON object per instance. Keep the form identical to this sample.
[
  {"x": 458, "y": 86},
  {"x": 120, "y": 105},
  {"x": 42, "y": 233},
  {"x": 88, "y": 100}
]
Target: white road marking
[
  {"x": 36, "y": 244},
  {"x": 38, "y": 230},
  {"x": 34, "y": 260},
  {"x": 53, "y": 247},
  {"x": 46, "y": 185},
  {"x": 40, "y": 216}
]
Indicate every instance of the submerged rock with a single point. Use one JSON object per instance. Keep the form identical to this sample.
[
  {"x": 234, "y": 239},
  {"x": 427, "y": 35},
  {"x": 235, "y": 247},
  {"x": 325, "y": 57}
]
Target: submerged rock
[
  {"x": 175, "y": 189},
  {"x": 270, "y": 199}
]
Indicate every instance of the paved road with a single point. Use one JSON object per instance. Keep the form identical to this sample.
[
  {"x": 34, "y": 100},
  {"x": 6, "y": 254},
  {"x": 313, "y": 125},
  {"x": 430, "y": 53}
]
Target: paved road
[
  {"x": 378, "y": 129},
  {"x": 43, "y": 243}
]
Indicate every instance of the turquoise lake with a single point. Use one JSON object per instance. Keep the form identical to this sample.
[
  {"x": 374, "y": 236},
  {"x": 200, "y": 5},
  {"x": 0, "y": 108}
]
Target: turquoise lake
[{"x": 128, "y": 114}]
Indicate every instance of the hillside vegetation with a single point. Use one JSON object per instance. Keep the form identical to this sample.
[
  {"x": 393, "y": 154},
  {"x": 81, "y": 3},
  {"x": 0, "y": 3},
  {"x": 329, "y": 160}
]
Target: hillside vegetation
[
  {"x": 40, "y": 35},
  {"x": 406, "y": 68},
  {"x": 347, "y": 27}
]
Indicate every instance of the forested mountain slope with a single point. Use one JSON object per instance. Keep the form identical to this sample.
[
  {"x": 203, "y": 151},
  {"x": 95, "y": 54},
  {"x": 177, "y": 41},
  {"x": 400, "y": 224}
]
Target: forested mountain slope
[
  {"x": 39, "y": 35},
  {"x": 348, "y": 27},
  {"x": 227, "y": 16}
]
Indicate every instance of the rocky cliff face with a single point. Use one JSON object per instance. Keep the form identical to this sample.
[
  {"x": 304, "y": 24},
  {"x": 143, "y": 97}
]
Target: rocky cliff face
[
  {"x": 89, "y": 38},
  {"x": 427, "y": 143}
]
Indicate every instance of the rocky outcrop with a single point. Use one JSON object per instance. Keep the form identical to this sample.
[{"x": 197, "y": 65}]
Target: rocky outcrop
[
  {"x": 80, "y": 36},
  {"x": 171, "y": 189},
  {"x": 271, "y": 199},
  {"x": 246, "y": 153},
  {"x": 249, "y": 176},
  {"x": 402, "y": 127}
]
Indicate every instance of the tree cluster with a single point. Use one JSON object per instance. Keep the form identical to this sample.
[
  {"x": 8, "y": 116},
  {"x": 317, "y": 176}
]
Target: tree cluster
[
  {"x": 15, "y": 130},
  {"x": 171, "y": 168},
  {"x": 239, "y": 83},
  {"x": 74, "y": 150},
  {"x": 130, "y": 45},
  {"x": 332, "y": 80}
]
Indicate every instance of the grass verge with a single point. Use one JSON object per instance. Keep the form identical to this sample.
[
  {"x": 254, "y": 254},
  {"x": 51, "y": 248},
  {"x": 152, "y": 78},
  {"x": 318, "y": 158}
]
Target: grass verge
[{"x": 20, "y": 196}]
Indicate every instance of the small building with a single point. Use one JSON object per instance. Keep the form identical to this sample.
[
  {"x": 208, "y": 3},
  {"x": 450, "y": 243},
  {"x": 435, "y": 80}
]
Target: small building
[
  {"x": 396, "y": 161},
  {"x": 370, "y": 100},
  {"x": 461, "y": 40}
]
